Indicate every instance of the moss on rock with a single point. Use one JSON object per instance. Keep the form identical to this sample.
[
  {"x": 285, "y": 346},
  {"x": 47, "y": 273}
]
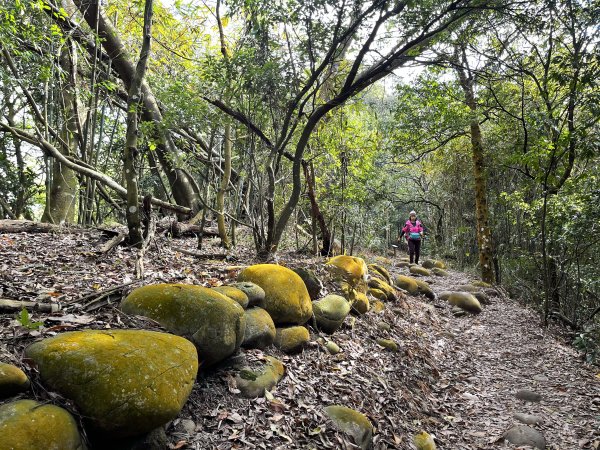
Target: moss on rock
[
  {"x": 27, "y": 425},
  {"x": 377, "y": 293},
  {"x": 388, "y": 344},
  {"x": 256, "y": 294},
  {"x": 428, "y": 263},
  {"x": 352, "y": 423},
  {"x": 350, "y": 269},
  {"x": 359, "y": 302},
  {"x": 126, "y": 382},
  {"x": 416, "y": 270},
  {"x": 376, "y": 283},
  {"x": 286, "y": 298},
  {"x": 439, "y": 272},
  {"x": 409, "y": 284},
  {"x": 212, "y": 321},
  {"x": 440, "y": 264},
  {"x": 12, "y": 380},
  {"x": 234, "y": 294},
  {"x": 465, "y": 301},
  {"x": 254, "y": 384},
  {"x": 330, "y": 312},
  {"x": 481, "y": 284},
  {"x": 260, "y": 329},
  {"x": 377, "y": 270},
  {"x": 378, "y": 306},
  {"x": 312, "y": 282},
  {"x": 332, "y": 348},
  {"x": 425, "y": 290},
  {"x": 291, "y": 339}
]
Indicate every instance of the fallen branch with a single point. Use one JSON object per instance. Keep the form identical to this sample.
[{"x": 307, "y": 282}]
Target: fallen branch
[
  {"x": 8, "y": 305},
  {"x": 201, "y": 255},
  {"x": 28, "y": 226},
  {"x": 113, "y": 242},
  {"x": 180, "y": 229}
]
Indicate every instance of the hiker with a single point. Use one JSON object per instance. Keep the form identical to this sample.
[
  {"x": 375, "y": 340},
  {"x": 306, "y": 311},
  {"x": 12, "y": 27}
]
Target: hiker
[{"x": 413, "y": 230}]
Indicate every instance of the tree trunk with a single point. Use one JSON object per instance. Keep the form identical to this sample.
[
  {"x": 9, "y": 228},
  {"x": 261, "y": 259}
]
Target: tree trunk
[
  {"x": 63, "y": 186},
  {"x": 223, "y": 187},
  {"x": 131, "y": 154},
  {"x": 484, "y": 235}
]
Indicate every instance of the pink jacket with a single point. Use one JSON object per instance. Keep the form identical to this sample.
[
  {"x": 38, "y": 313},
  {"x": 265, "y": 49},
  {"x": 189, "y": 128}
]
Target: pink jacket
[{"x": 410, "y": 228}]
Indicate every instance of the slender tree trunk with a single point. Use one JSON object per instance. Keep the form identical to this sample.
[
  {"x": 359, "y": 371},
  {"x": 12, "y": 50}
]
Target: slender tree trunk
[
  {"x": 223, "y": 187},
  {"x": 131, "y": 154},
  {"x": 61, "y": 196},
  {"x": 484, "y": 235}
]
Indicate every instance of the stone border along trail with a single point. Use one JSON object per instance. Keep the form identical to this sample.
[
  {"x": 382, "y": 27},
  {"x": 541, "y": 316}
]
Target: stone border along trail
[{"x": 485, "y": 359}]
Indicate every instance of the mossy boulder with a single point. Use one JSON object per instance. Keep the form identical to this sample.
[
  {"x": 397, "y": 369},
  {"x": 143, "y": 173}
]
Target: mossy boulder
[
  {"x": 332, "y": 348},
  {"x": 376, "y": 283},
  {"x": 330, "y": 312},
  {"x": 381, "y": 272},
  {"x": 359, "y": 302},
  {"x": 482, "y": 297},
  {"x": 126, "y": 382},
  {"x": 12, "y": 380},
  {"x": 425, "y": 290},
  {"x": 384, "y": 326},
  {"x": 254, "y": 384},
  {"x": 377, "y": 306},
  {"x": 352, "y": 423},
  {"x": 416, "y": 270},
  {"x": 212, "y": 321},
  {"x": 481, "y": 284},
  {"x": 286, "y": 298},
  {"x": 440, "y": 264},
  {"x": 428, "y": 263},
  {"x": 350, "y": 269},
  {"x": 439, "y": 272},
  {"x": 445, "y": 295},
  {"x": 377, "y": 293},
  {"x": 255, "y": 293},
  {"x": 388, "y": 344},
  {"x": 409, "y": 284},
  {"x": 312, "y": 282},
  {"x": 403, "y": 264},
  {"x": 260, "y": 329},
  {"x": 291, "y": 339},
  {"x": 27, "y": 425},
  {"x": 465, "y": 301},
  {"x": 233, "y": 293},
  {"x": 424, "y": 441}
]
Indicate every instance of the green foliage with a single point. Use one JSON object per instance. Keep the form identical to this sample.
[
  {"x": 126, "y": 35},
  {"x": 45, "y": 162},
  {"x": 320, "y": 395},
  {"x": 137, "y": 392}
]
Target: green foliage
[{"x": 25, "y": 320}]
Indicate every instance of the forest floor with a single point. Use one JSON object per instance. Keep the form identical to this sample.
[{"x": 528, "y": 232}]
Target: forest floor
[{"x": 454, "y": 377}]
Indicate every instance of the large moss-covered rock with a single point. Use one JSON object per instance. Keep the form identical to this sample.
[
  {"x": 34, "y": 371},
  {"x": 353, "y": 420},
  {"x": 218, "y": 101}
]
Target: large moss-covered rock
[
  {"x": 388, "y": 344},
  {"x": 428, "y": 263},
  {"x": 424, "y": 441},
  {"x": 440, "y": 264},
  {"x": 254, "y": 383},
  {"x": 359, "y": 302},
  {"x": 377, "y": 306},
  {"x": 379, "y": 271},
  {"x": 213, "y": 322},
  {"x": 291, "y": 339},
  {"x": 481, "y": 284},
  {"x": 377, "y": 293},
  {"x": 260, "y": 329},
  {"x": 352, "y": 423},
  {"x": 255, "y": 293},
  {"x": 286, "y": 297},
  {"x": 465, "y": 301},
  {"x": 312, "y": 282},
  {"x": 425, "y": 290},
  {"x": 330, "y": 312},
  {"x": 28, "y": 425},
  {"x": 233, "y": 293},
  {"x": 376, "y": 283},
  {"x": 409, "y": 284},
  {"x": 12, "y": 380},
  {"x": 416, "y": 270},
  {"x": 350, "y": 269},
  {"x": 126, "y": 382}
]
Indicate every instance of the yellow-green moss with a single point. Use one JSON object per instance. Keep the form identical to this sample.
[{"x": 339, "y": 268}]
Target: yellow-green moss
[
  {"x": 286, "y": 297},
  {"x": 423, "y": 441},
  {"x": 233, "y": 293},
  {"x": 352, "y": 423},
  {"x": 425, "y": 289},
  {"x": 440, "y": 264},
  {"x": 481, "y": 284},
  {"x": 260, "y": 329},
  {"x": 403, "y": 264},
  {"x": 12, "y": 380},
  {"x": 332, "y": 347},
  {"x": 266, "y": 379},
  {"x": 428, "y": 263},
  {"x": 379, "y": 294},
  {"x": 213, "y": 321},
  {"x": 255, "y": 294},
  {"x": 28, "y": 425},
  {"x": 416, "y": 270},
  {"x": 465, "y": 301},
  {"x": 378, "y": 306},
  {"x": 126, "y": 382},
  {"x": 439, "y": 272},
  {"x": 350, "y": 269},
  {"x": 409, "y": 284},
  {"x": 377, "y": 270},
  {"x": 376, "y": 283},
  {"x": 388, "y": 344},
  {"x": 291, "y": 339},
  {"x": 359, "y": 302},
  {"x": 330, "y": 312}
]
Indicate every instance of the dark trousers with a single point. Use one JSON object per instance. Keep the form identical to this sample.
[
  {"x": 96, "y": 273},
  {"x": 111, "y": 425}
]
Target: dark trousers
[{"x": 414, "y": 249}]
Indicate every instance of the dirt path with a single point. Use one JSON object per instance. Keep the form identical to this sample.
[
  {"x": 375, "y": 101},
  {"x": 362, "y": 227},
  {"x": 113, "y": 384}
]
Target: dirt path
[{"x": 486, "y": 359}]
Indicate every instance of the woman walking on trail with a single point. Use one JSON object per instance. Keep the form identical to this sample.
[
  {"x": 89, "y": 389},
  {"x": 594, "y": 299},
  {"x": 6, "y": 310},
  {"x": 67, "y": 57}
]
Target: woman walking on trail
[{"x": 413, "y": 229}]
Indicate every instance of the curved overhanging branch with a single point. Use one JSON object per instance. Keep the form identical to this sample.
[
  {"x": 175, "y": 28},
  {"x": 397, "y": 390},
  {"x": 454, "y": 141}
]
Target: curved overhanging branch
[{"x": 52, "y": 151}]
